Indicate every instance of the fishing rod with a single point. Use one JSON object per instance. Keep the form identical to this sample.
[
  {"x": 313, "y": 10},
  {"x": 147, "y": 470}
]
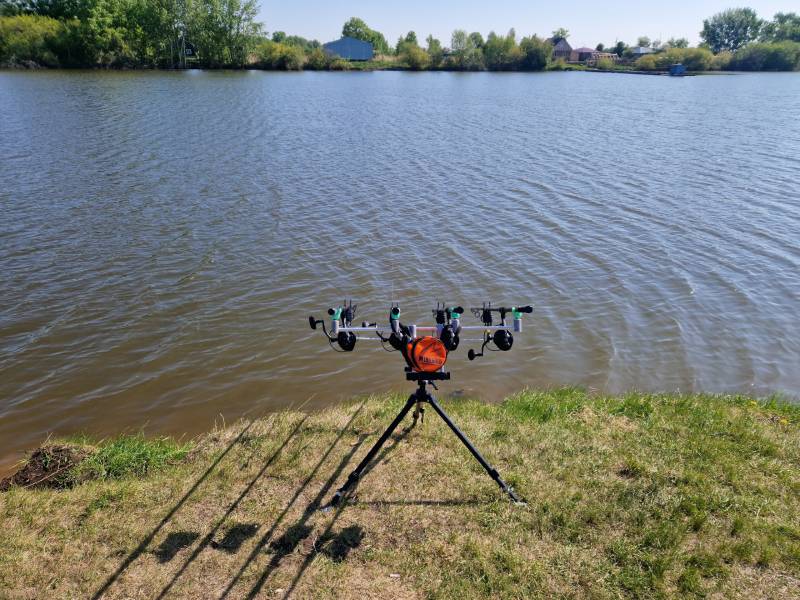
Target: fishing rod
[{"x": 425, "y": 357}]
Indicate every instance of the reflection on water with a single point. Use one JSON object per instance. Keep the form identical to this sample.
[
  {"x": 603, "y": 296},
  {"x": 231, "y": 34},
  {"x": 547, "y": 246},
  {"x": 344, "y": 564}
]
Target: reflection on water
[{"x": 164, "y": 236}]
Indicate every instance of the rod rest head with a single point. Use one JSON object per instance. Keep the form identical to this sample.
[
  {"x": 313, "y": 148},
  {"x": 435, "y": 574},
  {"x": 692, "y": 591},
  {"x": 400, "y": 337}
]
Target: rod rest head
[{"x": 435, "y": 376}]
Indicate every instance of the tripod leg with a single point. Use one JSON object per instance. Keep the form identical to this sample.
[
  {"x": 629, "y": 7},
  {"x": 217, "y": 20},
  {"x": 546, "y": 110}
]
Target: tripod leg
[
  {"x": 353, "y": 478},
  {"x": 464, "y": 440}
]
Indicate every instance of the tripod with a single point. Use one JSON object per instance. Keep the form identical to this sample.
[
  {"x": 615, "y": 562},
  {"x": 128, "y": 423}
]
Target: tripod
[{"x": 417, "y": 401}]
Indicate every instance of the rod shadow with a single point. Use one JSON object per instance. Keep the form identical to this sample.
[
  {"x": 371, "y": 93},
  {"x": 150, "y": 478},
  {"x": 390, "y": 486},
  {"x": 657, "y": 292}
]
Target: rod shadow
[
  {"x": 209, "y": 537},
  {"x": 300, "y": 530},
  {"x": 265, "y": 539},
  {"x": 139, "y": 550}
]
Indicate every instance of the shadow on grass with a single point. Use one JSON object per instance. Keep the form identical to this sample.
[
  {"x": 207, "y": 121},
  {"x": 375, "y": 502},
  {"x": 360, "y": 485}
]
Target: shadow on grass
[
  {"x": 232, "y": 536},
  {"x": 298, "y": 529},
  {"x": 174, "y": 543},
  {"x": 434, "y": 503},
  {"x": 137, "y": 552}
]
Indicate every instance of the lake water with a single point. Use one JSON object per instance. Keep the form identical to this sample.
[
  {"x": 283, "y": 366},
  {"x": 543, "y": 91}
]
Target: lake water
[{"x": 164, "y": 236}]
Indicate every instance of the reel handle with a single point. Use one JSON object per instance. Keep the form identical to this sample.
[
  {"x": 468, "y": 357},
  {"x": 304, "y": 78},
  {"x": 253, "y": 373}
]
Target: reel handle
[{"x": 523, "y": 309}]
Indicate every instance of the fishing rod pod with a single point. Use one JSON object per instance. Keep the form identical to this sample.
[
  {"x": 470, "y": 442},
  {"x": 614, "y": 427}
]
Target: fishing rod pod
[{"x": 425, "y": 350}]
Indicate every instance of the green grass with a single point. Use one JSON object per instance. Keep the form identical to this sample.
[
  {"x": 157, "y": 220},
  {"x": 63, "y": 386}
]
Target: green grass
[
  {"x": 130, "y": 455},
  {"x": 634, "y": 496}
]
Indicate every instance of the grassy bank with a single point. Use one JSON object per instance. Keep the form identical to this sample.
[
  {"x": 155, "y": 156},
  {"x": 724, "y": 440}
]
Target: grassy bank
[{"x": 637, "y": 496}]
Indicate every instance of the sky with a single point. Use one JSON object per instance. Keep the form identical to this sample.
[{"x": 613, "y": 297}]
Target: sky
[{"x": 588, "y": 21}]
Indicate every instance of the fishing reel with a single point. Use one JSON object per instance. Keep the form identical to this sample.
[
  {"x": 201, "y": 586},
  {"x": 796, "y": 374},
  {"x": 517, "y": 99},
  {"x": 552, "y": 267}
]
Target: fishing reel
[
  {"x": 448, "y": 324},
  {"x": 501, "y": 338},
  {"x": 341, "y": 319},
  {"x": 424, "y": 348}
]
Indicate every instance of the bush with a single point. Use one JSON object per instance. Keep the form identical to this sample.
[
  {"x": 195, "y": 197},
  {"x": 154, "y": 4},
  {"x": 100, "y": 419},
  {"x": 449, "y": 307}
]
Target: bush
[
  {"x": 415, "y": 57},
  {"x": 535, "y": 53},
  {"x": 30, "y": 38},
  {"x": 317, "y": 60},
  {"x": 694, "y": 59},
  {"x": 606, "y": 64},
  {"x": 721, "y": 61},
  {"x": 647, "y": 63},
  {"x": 778, "y": 56},
  {"x": 276, "y": 55}
]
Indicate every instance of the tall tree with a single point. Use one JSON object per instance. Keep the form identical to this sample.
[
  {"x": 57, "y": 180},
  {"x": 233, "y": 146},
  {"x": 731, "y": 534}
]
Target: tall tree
[
  {"x": 643, "y": 41},
  {"x": 358, "y": 29},
  {"x": 561, "y": 33},
  {"x": 435, "y": 51},
  {"x": 784, "y": 26},
  {"x": 731, "y": 29},
  {"x": 678, "y": 43}
]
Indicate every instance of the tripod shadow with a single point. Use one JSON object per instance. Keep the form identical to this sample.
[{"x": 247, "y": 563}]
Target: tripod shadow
[
  {"x": 139, "y": 550},
  {"x": 431, "y": 503},
  {"x": 336, "y": 547},
  {"x": 236, "y": 536},
  {"x": 300, "y": 529}
]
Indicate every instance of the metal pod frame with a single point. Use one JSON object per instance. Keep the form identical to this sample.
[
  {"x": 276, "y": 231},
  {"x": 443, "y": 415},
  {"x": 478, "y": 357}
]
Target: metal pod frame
[{"x": 496, "y": 336}]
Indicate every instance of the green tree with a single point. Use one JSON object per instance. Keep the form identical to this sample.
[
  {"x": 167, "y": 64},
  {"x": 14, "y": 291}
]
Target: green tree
[
  {"x": 773, "y": 56},
  {"x": 731, "y": 29},
  {"x": 477, "y": 39},
  {"x": 643, "y": 41},
  {"x": 560, "y": 34},
  {"x": 435, "y": 51},
  {"x": 619, "y": 48},
  {"x": 415, "y": 57},
  {"x": 784, "y": 26},
  {"x": 600, "y": 47},
  {"x": 358, "y": 29},
  {"x": 466, "y": 56},
  {"x": 536, "y": 52},
  {"x": 501, "y": 52},
  {"x": 678, "y": 43},
  {"x": 278, "y": 36}
]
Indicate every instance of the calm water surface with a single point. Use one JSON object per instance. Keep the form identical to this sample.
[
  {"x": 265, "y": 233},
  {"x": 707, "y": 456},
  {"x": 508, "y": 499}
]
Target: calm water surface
[{"x": 163, "y": 236}]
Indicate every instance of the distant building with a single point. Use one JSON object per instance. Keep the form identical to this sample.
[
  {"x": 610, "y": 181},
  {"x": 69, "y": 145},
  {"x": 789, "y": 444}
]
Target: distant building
[
  {"x": 590, "y": 55},
  {"x": 640, "y": 51},
  {"x": 585, "y": 54},
  {"x": 562, "y": 49},
  {"x": 350, "y": 49}
]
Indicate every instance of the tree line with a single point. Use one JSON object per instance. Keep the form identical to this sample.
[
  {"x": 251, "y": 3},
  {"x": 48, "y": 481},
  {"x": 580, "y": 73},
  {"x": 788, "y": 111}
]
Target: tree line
[{"x": 226, "y": 34}]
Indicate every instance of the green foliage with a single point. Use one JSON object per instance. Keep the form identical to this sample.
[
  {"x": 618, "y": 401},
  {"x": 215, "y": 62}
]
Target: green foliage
[
  {"x": 465, "y": 55},
  {"x": 560, "y": 34},
  {"x": 678, "y": 43},
  {"x": 131, "y": 455},
  {"x": 731, "y": 29},
  {"x": 415, "y": 57},
  {"x": 646, "y": 63},
  {"x": 358, "y": 29},
  {"x": 477, "y": 39},
  {"x": 435, "y": 52},
  {"x": 501, "y": 53},
  {"x": 783, "y": 27},
  {"x": 31, "y": 38},
  {"x": 619, "y": 48},
  {"x": 721, "y": 61},
  {"x": 605, "y": 64},
  {"x": 317, "y": 60},
  {"x": 695, "y": 59},
  {"x": 778, "y": 56},
  {"x": 536, "y": 53},
  {"x": 643, "y": 41},
  {"x": 281, "y": 56}
]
